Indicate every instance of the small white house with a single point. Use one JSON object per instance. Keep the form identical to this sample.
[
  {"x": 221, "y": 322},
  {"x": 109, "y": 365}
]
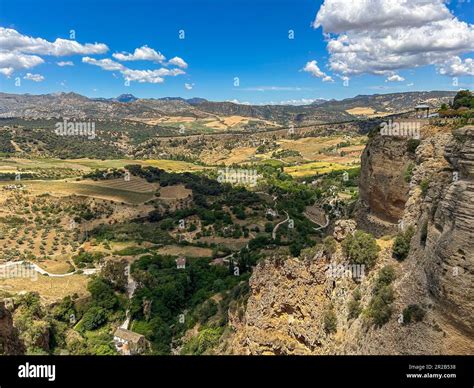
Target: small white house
[
  {"x": 272, "y": 212},
  {"x": 181, "y": 262},
  {"x": 129, "y": 343}
]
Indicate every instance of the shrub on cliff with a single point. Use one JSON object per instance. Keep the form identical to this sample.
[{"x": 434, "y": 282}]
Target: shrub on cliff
[
  {"x": 361, "y": 248},
  {"x": 412, "y": 145},
  {"x": 330, "y": 321},
  {"x": 380, "y": 307},
  {"x": 329, "y": 246},
  {"x": 408, "y": 172},
  {"x": 401, "y": 246},
  {"x": 354, "y": 306},
  {"x": 424, "y": 186},
  {"x": 207, "y": 339},
  {"x": 413, "y": 313}
]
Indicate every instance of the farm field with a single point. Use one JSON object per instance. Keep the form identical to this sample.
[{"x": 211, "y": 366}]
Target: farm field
[
  {"x": 51, "y": 289},
  {"x": 366, "y": 111},
  {"x": 339, "y": 149},
  {"x": 312, "y": 148},
  {"x": 237, "y": 155},
  {"x": 209, "y": 124},
  {"x": 57, "y": 266},
  {"x": 187, "y": 251},
  {"x": 86, "y": 165},
  {"x": 174, "y": 192},
  {"x": 131, "y": 195},
  {"x": 315, "y": 168}
]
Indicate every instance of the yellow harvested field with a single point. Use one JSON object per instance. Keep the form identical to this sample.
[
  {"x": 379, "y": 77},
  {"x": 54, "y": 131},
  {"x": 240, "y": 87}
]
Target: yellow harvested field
[
  {"x": 170, "y": 165},
  {"x": 189, "y": 251},
  {"x": 211, "y": 122},
  {"x": 310, "y": 147},
  {"x": 87, "y": 165},
  {"x": 216, "y": 124},
  {"x": 176, "y": 119},
  {"x": 56, "y": 266},
  {"x": 174, "y": 192},
  {"x": 89, "y": 189},
  {"x": 50, "y": 289},
  {"x": 225, "y": 122},
  {"x": 236, "y": 155},
  {"x": 314, "y": 168},
  {"x": 240, "y": 155},
  {"x": 359, "y": 110},
  {"x": 366, "y": 111}
]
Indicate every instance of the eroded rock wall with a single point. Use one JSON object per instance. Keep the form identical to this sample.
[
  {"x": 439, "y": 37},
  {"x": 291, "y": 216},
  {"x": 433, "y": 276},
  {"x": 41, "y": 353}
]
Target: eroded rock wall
[{"x": 289, "y": 297}]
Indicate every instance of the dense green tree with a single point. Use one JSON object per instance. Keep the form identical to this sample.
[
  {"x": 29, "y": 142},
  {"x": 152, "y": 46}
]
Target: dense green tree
[
  {"x": 93, "y": 318},
  {"x": 361, "y": 248},
  {"x": 114, "y": 273},
  {"x": 102, "y": 293},
  {"x": 463, "y": 98}
]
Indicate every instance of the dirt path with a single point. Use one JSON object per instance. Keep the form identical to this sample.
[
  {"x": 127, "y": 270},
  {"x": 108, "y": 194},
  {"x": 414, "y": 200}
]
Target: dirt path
[{"x": 275, "y": 229}]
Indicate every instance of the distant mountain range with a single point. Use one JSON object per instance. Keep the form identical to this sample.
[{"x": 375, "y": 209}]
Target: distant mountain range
[
  {"x": 127, "y": 106},
  {"x": 131, "y": 98},
  {"x": 125, "y": 98}
]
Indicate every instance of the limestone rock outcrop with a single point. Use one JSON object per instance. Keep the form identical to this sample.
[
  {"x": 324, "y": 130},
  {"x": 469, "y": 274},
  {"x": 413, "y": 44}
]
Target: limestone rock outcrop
[
  {"x": 383, "y": 188},
  {"x": 342, "y": 228},
  {"x": 10, "y": 343}
]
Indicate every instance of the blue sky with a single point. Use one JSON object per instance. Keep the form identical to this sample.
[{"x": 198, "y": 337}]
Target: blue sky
[{"x": 223, "y": 39}]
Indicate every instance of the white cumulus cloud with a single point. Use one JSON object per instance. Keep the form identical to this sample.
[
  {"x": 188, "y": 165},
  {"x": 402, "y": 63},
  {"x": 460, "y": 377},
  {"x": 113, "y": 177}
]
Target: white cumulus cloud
[
  {"x": 394, "y": 78},
  {"x": 34, "y": 77},
  {"x": 141, "y": 76},
  {"x": 313, "y": 68},
  {"x": 65, "y": 63},
  {"x": 106, "y": 64},
  {"x": 177, "y": 61},
  {"x": 12, "y": 41},
  {"x": 143, "y": 53},
  {"x": 384, "y": 36},
  {"x": 18, "y": 51},
  {"x": 9, "y": 62},
  {"x": 457, "y": 67}
]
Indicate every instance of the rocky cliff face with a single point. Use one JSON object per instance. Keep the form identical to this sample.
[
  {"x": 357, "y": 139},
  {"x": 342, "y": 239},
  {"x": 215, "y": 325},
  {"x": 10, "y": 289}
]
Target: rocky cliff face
[
  {"x": 383, "y": 188},
  {"x": 290, "y": 298},
  {"x": 450, "y": 234},
  {"x": 10, "y": 343}
]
